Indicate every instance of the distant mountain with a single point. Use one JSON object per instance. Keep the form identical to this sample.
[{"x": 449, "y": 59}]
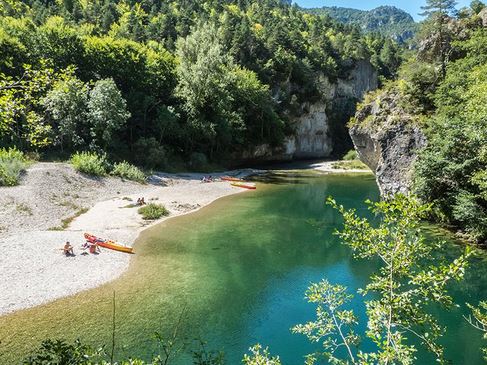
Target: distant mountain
[{"x": 387, "y": 20}]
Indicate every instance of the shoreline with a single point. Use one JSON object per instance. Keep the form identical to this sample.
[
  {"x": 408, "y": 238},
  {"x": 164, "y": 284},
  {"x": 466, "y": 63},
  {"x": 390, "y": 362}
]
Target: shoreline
[{"x": 36, "y": 272}]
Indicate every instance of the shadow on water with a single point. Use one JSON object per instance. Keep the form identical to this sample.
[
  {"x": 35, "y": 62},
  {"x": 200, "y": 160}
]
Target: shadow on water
[{"x": 240, "y": 267}]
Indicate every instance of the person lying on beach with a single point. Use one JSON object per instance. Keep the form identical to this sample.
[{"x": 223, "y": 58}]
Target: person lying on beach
[{"x": 68, "y": 249}]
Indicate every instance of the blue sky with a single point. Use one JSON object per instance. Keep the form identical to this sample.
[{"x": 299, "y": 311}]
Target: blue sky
[{"x": 411, "y": 6}]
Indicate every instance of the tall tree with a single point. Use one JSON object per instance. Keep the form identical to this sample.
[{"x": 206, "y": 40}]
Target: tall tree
[
  {"x": 107, "y": 112},
  {"x": 66, "y": 106},
  {"x": 438, "y": 13}
]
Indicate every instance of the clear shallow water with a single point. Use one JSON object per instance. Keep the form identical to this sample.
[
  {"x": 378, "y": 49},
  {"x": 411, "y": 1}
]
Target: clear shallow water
[{"x": 238, "y": 271}]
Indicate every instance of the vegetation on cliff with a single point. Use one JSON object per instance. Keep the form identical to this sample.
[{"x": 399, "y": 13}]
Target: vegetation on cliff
[
  {"x": 443, "y": 89},
  {"x": 158, "y": 82}
]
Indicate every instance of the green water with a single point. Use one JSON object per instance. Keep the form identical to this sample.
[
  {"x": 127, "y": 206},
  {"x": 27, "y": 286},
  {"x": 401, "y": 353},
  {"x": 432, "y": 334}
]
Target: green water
[{"x": 237, "y": 270}]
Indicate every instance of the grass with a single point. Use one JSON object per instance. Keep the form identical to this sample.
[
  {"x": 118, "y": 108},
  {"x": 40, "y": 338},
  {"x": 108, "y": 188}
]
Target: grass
[
  {"x": 12, "y": 163},
  {"x": 23, "y": 208},
  {"x": 350, "y": 156},
  {"x": 90, "y": 163},
  {"x": 153, "y": 211},
  {"x": 67, "y": 221},
  {"x": 350, "y": 165},
  {"x": 128, "y": 171}
]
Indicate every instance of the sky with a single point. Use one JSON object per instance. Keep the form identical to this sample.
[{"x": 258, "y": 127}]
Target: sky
[{"x": 413, "y": 7}]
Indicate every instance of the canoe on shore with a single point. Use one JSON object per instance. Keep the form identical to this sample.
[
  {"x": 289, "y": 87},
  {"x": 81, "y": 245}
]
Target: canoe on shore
[
  {"x": 112, "y": 245},
  {"x": 244, "y": 185},
  {"x": 229, "y": 178}
]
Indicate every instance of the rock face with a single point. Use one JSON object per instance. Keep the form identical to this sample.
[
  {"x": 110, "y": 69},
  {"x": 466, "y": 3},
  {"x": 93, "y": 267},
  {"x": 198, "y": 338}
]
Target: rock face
[
  {"x": 483, "y": 17},
  {"x": 387, "y": 140},
  {"x": 313, "y": 136},
  {"x": 362, "y": 79}
]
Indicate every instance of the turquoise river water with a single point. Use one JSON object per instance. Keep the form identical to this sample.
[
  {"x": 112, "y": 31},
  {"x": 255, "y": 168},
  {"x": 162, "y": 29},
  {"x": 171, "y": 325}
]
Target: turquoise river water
[{"x": 235, "y": 274}]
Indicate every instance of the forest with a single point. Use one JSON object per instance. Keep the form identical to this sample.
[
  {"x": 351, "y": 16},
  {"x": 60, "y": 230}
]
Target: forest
[
  {"x": 166, "y": 84},
  {"x": 442, "y": 88},
  {"x": 186, "y": 84},
  {"x": 386, "y": 20}
]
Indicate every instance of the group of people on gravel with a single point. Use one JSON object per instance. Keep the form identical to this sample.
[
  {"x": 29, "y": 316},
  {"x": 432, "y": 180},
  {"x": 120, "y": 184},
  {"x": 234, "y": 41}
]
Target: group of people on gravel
[{"x": 93, "y": 248}]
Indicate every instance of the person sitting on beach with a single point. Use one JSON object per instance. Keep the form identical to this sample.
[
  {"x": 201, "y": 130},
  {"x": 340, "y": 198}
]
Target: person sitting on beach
[
  {"x": 68, "y": 249},
  {"x": 94, "y": 248},
  {"x": 141, "y": 201}
]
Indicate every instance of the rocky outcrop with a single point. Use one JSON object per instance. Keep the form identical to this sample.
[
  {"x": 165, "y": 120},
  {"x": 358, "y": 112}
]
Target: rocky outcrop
[
  {"x": 362, "y": 79},
  {"x": 387, "y": 139},
  {"x": 483, "y": 17},
  {"x": 313, "y": 136}
]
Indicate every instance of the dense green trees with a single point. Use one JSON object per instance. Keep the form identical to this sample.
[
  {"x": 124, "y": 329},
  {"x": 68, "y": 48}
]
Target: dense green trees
[
  {"x": 213, "y": 77},
  {"x": 442, "y": 88},
  {"x": 451, "y": 171},
  {"x": 66, "y": 106},
  {"x": 387, "y": 20},
  {"x": 107, "y": 113}
]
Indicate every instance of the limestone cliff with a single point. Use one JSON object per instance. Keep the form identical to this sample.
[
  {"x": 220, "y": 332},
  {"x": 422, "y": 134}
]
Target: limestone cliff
[
  {"x": 316, "y": 125},
  {"x": 387, "y": 139}
]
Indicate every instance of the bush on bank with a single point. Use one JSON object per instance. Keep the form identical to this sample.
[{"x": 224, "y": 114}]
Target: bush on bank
[{"x": 12, "y": 163}]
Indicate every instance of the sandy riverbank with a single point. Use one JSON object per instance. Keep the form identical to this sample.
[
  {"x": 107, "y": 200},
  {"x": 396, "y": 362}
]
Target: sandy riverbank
[
  {"x": 329, "y": 167},
  {"x": 33, "y": 268}
]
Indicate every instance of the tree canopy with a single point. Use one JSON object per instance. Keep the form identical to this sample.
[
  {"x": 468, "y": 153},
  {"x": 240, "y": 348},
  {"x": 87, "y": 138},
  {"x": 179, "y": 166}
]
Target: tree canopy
[{"x": 213, "y": 77}]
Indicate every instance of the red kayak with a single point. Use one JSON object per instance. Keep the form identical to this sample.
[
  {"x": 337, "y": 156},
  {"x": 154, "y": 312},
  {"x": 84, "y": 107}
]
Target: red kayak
[
  {"x": 112, "y": 245},
  {"x": 229, "y": 178}
]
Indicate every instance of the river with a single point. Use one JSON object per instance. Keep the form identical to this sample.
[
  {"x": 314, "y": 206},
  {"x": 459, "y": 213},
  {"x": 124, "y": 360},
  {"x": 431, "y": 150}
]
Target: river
[{"x": 234, "y": 274}]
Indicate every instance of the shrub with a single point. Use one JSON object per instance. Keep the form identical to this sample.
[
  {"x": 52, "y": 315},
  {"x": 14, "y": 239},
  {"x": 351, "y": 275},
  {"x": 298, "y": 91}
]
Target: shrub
[
  {"x": 153, "y": 211},
  {"x": 60, "y": 352},
  {"x": 351, "y": 155},
  {"x": 90, "y": 163},
  {"x": 128, "y": 171},
  {"x": 12, "y": 163}
]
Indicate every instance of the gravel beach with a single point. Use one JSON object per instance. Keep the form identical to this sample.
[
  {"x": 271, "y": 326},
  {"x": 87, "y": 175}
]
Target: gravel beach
[
  {"x": 34, "y": 269},
  {"x": 54, "y": 204}
]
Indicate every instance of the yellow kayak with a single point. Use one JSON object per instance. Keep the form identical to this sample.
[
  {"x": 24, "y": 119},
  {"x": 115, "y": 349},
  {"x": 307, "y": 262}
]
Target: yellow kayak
[
  {"x": 245, "y": 185},
  {"x": 112, "y": 245}
]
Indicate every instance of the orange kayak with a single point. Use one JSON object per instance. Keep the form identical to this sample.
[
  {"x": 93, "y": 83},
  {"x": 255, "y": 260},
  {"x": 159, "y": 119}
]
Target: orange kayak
[
  {"x": 229, "y": 178},
  {"x": 244, "y": 185},
  {"x": 112, "y": 245}
]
